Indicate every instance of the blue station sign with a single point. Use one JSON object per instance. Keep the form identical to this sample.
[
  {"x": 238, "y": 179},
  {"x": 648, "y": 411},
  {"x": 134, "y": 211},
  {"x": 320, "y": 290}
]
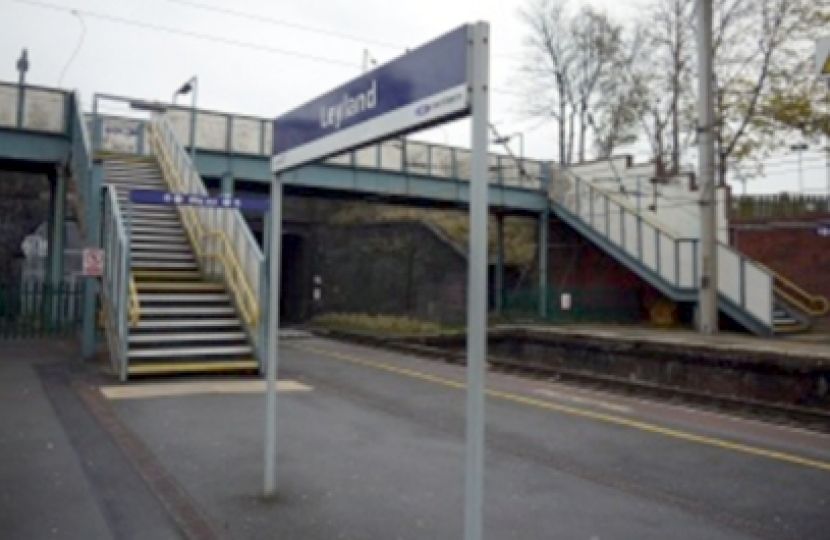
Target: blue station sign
[
  {"x": 422, "y": 88},
  {"x": 153, "y": 196}
]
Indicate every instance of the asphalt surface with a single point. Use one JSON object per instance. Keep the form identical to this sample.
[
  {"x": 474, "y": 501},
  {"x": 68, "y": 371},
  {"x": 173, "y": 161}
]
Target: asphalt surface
[
  {"x": 376, "y": 452},
  {"x": 371, "y": 446},
  {"x": 61, "y": 476}
]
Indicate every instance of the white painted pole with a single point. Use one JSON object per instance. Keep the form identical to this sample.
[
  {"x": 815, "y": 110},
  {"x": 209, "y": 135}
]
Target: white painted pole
[
  {"x": 272, "y": 335},
  {"x": 708, "y": 301},
  {"x": 477, "y": 286}
]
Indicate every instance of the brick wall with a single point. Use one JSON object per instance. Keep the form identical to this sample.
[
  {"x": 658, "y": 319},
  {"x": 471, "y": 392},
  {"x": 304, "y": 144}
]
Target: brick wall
[
  {"x": 792, "y": 248},
  {"x": 389, "y": 268},
  {"x": 610, "y": 289}
]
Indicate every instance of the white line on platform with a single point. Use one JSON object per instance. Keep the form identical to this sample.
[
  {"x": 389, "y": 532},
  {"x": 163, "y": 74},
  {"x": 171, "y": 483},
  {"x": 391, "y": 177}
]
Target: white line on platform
[{"x": 582, "y": 400}]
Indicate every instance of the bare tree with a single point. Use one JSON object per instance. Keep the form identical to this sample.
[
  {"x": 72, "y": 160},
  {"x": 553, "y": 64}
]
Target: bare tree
[
  {"x": 761, "y": 47},
  {"x": 548, "y": 66},
  {"x": 572, "y": 69}
]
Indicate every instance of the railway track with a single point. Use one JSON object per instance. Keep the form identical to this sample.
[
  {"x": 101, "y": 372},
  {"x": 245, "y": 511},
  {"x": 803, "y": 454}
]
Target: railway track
[{"x": 802, "y": 417}]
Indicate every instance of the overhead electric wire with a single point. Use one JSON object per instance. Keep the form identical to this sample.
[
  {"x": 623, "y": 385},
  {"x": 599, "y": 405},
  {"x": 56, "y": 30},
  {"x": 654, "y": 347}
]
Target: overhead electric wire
[
  {"x": 188, "y": 33},
  {"x": 219, "y": 39}
]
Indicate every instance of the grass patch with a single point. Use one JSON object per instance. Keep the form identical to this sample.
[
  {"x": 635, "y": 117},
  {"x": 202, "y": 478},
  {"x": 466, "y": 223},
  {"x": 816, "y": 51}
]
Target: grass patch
[{"x": 379, "y": 324}]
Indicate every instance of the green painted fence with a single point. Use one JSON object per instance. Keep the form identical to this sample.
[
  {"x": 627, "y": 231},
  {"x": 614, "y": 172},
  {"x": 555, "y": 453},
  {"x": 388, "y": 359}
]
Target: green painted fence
[
  {"x": 587, "y": 305},
  {"x": 35, "y": 310}
]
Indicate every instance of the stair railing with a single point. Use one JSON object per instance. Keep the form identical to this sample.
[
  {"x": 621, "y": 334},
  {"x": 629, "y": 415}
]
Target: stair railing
[
  {"x": 645, "y": 243},
  {"x": 811, "y": 304},
  {"x": 117, "y": 290},
  {"x": 221, "y": 238}
]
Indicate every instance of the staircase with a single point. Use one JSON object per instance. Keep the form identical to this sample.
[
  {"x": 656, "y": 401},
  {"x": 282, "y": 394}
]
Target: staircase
[
  {"x": 181, "y": 322},
  {"x": 762, "y": 301}
]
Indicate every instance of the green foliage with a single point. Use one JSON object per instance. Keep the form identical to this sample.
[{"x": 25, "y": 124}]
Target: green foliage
[
  {"x": 378, "y": 324},
  {"x": 519, "y": 233}
]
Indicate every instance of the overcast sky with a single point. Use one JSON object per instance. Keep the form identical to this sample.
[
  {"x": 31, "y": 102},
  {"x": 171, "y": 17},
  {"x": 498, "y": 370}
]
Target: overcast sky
[{"x": 124, "y": 59}]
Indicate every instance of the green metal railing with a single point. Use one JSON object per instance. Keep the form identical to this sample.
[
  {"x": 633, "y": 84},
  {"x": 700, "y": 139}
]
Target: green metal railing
[
  {"x": 576, "y": 305},
  {"x": 36, "y": 310}
]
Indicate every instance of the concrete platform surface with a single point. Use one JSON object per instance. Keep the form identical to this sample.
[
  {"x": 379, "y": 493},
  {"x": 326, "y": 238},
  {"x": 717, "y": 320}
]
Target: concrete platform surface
[
  {"x": 371, "y": 446},
  {"x": 375, "y": 450},
  {"x": 798, "y": 345}
]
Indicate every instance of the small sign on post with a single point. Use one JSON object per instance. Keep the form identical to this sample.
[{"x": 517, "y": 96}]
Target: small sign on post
[{"x": 93, "y": 262}]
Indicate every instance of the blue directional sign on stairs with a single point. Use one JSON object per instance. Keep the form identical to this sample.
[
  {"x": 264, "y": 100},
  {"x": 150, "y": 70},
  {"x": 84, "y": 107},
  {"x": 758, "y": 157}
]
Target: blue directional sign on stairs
[{"x": 154, "y": 196}]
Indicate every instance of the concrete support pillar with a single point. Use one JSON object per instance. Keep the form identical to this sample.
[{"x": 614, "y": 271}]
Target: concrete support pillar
[
  {"x": 499, "y": 285},
  {"x": 91, "y": 284},
  {"x": 57, "y": 228},
  {"x": 544, "y": 227},
  {"x": 57, "y": 236},
  {"x": 228, "y": 184}
]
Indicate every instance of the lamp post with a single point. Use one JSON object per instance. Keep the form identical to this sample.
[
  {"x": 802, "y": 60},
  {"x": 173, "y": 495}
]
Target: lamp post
[
  {"x": 800, "y": 148},
  {"x": 507, "y": 138},
  {"x": 190, "y": 87}
]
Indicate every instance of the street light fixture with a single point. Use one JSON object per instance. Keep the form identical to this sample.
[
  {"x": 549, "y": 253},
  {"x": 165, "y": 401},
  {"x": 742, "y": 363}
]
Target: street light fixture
[
  {"x": 190, "y": 87},
  {"x": 507, "y": 138},
  {"x": 800, "y": 148}
]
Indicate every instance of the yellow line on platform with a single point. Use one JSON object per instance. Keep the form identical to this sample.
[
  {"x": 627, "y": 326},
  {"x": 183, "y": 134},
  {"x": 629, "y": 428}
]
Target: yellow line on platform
[
  {"x": 153, "y": 390},
  {"x": 583, "y": 413}
]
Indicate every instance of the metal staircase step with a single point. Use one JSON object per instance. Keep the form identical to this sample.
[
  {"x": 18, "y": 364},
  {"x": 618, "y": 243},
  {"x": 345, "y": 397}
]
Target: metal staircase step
[
  {"x": 187, "y": 275},
  {"x": 151, "y": 217},
  {"x": 162, "y": 256},
  {"x": 162, "y": 324},
  {"x": 127, "y": 185},
  {"x": 173, "y": 238},
  {"x": 190, "y": 310},
  {"x": 202, "y": 286},
  {"x": 174, "y": 367},
  {"x": 198, "y": 297},
  {"x": 185, "y": 352},
  {"x": 160, "y": 228},
  {"x": 157, "y": 246},
  {"x": 165, "y": 265},
  {"x": 190, "y": 336},
  {"x": 153, "y": 210}
]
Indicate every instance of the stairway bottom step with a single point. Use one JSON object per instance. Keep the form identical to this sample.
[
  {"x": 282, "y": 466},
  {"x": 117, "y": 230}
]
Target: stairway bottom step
[
  {"x": 174, "y": 367},
  {"x": 189, "y": 352}
]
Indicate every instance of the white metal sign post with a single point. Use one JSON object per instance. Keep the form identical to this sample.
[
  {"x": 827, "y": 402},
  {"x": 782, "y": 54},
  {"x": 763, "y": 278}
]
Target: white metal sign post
[
  {"x": 443, "y": 80},
  {"x": 477, "y": 286}
]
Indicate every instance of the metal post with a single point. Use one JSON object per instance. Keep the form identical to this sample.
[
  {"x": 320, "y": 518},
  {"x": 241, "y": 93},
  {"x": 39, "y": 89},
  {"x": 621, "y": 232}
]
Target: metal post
[
  {"x": 544, "y": 226},
  {"x": 22, "y": 68},
  {"x": 477, "y": 285},
  {"x": 93, "y": 240},
  {"x": 708, "y": 301},
  {"x": 227, "y": 184},
  {"x": 58, "y": 241},
  {"x": 263, "y": 288},
  {"x": 270, "y": 482},
  {"x": 499, "y": 263},
  {"x": 193, "y": 123},
  {"x": 96, "y": 126}
]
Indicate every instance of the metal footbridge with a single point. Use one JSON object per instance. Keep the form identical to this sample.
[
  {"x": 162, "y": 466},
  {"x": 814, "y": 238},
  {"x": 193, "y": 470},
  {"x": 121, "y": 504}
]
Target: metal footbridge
[{"x": 183, "y": 287}]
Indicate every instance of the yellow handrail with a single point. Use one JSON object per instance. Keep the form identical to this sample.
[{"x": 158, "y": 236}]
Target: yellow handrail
[
  {"x": 236, "y": 278},
  {"x": 813, "y": 305},
  {"x": 232, "y": 269},
  {"x": 135, "y": 305}
]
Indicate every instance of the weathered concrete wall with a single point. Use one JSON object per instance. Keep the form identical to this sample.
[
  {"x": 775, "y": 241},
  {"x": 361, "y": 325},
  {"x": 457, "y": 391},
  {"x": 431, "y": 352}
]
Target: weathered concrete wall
[{"x": 389, "y": 268}]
